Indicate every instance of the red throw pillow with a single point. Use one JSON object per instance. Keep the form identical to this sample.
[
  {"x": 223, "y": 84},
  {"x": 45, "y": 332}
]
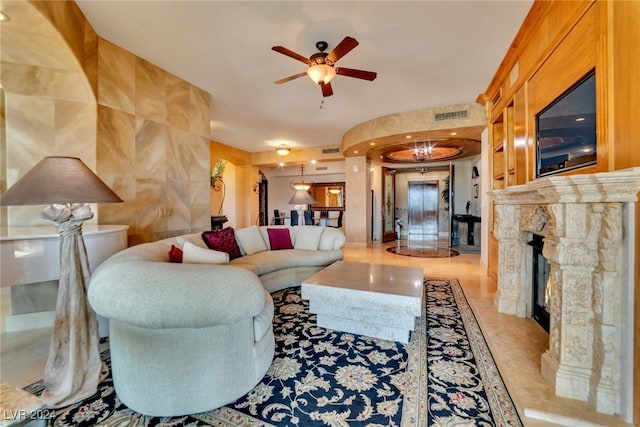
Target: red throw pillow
[
  {"x": 222, "y": 240},
  {"x": 279, "y": 238},
  {"x": 175, "y": 254}
]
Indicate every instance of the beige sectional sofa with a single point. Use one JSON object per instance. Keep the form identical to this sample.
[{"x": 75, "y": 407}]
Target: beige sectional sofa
[{"x": 204, "y": 329}]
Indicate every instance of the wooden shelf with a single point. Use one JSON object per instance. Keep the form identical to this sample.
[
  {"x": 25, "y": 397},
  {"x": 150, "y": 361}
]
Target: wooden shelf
[
  {"x": 498, "y": 176},
  {"x": 498, "y": 148}
]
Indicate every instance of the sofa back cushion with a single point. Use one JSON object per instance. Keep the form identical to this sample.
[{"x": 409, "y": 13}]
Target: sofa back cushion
[
  {"x": 307, "y": 237},
  {"x": 250, "y": 240},
  {"x": 331, "y": 239},
  {"x": 222, "y": 240}
]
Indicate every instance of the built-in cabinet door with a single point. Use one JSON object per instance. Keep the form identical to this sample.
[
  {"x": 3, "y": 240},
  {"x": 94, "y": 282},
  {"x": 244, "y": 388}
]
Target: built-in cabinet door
[{"x": 423, "y": 208}]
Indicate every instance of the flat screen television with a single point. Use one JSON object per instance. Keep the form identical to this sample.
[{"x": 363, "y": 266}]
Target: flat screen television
[{"x": 566, "y": 129}]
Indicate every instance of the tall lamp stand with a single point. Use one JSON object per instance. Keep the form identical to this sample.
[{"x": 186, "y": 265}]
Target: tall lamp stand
[{"x": 73, "y": 367}]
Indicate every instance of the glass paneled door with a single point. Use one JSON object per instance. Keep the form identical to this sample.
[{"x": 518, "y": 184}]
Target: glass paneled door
[{"x": 388, "y": 204}]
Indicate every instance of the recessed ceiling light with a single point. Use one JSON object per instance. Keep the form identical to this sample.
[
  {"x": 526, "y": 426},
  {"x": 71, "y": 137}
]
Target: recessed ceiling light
[
  {"x": 281, "y": 164},
  {"x": 407, "y": 136},
  {"x": 3, "y": 17},
  {"x": 580, "y": 119},
  {"x": 355, "y": 151},
  {"x": 454, "y": 133},
  {"x": 313, "y": 162},
  {"x": 372, "y": 143}
]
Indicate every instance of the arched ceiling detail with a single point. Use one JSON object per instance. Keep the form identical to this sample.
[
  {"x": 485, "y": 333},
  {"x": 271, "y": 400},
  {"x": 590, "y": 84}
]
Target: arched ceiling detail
[
  {"x": 454, "y": 132},
  {"x": 36, "y": 58}
]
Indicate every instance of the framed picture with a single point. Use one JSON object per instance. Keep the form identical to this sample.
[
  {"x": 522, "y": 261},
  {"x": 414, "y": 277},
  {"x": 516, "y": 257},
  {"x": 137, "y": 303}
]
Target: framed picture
[{"x": 475, "y": 191}]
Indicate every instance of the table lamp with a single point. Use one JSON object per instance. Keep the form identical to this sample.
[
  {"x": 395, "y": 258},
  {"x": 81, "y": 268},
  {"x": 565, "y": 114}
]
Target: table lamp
[{"x": 67, "y": 185}]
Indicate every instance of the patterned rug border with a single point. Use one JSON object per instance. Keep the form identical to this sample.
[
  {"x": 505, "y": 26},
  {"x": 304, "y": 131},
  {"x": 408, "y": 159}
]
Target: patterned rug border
[{"x": 497, "y": 392}]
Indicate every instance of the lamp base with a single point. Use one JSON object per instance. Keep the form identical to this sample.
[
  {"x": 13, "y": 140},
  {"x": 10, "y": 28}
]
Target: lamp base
[{"x": 73, "y": 367}]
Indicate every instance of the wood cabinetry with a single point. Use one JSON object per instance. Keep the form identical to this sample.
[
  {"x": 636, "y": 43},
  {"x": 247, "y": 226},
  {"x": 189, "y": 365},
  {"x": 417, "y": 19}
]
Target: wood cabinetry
[{"x": 558, "y": 43}]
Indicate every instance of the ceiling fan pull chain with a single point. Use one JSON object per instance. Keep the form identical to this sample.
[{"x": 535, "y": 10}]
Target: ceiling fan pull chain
[{"x": 321, "y": 104}]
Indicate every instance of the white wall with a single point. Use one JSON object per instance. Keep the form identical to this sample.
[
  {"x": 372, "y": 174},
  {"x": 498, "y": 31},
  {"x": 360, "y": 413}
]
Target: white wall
[{"x": 229, "y": 204}]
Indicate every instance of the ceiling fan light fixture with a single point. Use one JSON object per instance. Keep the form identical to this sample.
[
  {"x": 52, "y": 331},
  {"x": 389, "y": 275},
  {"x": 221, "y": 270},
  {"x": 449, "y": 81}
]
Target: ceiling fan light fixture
[
  {"x": 283, "y": 150},
  {"x": 321, "y": 73}
]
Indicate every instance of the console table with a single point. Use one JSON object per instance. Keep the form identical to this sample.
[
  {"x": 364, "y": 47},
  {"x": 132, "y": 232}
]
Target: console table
[{"x": 31, "y": 255}]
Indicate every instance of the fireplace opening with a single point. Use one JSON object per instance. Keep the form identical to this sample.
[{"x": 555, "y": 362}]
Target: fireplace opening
[{"x": 540, "y": 277}]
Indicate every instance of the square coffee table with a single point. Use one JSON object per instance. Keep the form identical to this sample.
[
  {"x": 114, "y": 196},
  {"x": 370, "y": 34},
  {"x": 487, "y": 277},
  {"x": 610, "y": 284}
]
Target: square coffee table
[{"x": 375, "y": 300}]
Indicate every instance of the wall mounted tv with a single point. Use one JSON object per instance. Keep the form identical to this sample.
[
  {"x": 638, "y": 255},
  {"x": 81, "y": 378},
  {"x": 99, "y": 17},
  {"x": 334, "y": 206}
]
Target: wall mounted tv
[{"x": 566, "y": 129}]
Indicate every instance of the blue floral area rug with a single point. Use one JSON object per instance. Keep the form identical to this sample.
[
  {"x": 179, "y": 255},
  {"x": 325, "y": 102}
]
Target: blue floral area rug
[
  {"x": 464, "y": 386},
  {"x": 322, "y": 377}
]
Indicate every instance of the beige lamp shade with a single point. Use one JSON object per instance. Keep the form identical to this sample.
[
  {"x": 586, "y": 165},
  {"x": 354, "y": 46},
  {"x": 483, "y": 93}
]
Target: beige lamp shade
[
  {"x": 59, "y": 180},
  {"x": 301, "y": 197}
]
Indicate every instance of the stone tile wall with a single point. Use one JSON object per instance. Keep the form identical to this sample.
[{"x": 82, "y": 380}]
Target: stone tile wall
[
  {"x": 152, "y": 147},
  {"x": 144, "y": 131}
]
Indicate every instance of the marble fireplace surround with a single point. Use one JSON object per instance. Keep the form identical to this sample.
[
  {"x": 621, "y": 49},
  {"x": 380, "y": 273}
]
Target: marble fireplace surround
[{"x": 588, "y": 226}]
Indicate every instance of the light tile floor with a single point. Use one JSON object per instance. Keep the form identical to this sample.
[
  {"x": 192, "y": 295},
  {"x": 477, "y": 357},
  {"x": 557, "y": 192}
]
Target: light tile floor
[{"x": 515, "y": 343}]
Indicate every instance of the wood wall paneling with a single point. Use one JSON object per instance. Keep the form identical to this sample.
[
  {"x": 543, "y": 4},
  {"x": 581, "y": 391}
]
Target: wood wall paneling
[
  {"x": 625, "y": 130},
  {"x": 522, "y": 158},
  {"x": 570, "y": 61}
]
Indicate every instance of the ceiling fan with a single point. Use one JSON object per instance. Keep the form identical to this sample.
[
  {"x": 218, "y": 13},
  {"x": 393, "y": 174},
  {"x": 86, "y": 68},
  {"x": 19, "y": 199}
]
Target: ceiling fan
[{"x": 322, "y": 65}]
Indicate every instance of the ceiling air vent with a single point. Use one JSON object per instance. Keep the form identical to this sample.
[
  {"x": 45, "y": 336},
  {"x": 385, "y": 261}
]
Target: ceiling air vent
[
  {"x": 330, "y": 150},
  {"x": 462, "y": 114},
  {"x": 322, "y": 168}
]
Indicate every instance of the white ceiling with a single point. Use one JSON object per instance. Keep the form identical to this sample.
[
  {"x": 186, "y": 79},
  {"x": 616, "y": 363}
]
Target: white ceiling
[{"x": 426, "y": 53}]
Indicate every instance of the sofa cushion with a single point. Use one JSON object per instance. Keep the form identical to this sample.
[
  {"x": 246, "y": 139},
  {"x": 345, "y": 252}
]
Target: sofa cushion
[
  {"x": 193, "y": 254},
  {"x": 270, "y": 261},
  {"x": 332, "y": 238},
  {"x": 222, "y": 240},
  {"x": 175, "y": 254},
  {"x": 250, "y": 240},
  {"x": 308, "y": 237},
  {"x": 279, "y": 238}
]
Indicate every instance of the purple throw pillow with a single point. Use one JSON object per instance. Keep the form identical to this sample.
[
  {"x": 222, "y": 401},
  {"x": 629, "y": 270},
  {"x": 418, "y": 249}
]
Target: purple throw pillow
[
  {"x": 175, "y": 254},
  {"x": 279, "y": 238},
  {"x": 222, "y": 240}
]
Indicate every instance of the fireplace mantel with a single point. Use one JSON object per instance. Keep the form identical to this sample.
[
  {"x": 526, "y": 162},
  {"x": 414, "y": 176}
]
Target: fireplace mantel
[{"x": 587, "y": 222}]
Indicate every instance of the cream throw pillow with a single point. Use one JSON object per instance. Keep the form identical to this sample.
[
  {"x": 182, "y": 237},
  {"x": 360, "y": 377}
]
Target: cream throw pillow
[
  {"x": 194, "y": 254},
  {"x": 250, "y": 240}
]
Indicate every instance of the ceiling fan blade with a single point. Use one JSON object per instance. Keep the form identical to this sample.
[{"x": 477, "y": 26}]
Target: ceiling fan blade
[
  {"x": 326, "y": 89},
  {"x": 291, "y": 54},
  {"x": 344, "y": 47},
  {"x": 358, "y": 74},
  {"x": 288, "y": 79}
]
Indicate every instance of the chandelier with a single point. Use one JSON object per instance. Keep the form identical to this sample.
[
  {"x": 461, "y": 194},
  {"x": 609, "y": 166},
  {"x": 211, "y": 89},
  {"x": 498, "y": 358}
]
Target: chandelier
[{"x": 424, "y": 153}]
